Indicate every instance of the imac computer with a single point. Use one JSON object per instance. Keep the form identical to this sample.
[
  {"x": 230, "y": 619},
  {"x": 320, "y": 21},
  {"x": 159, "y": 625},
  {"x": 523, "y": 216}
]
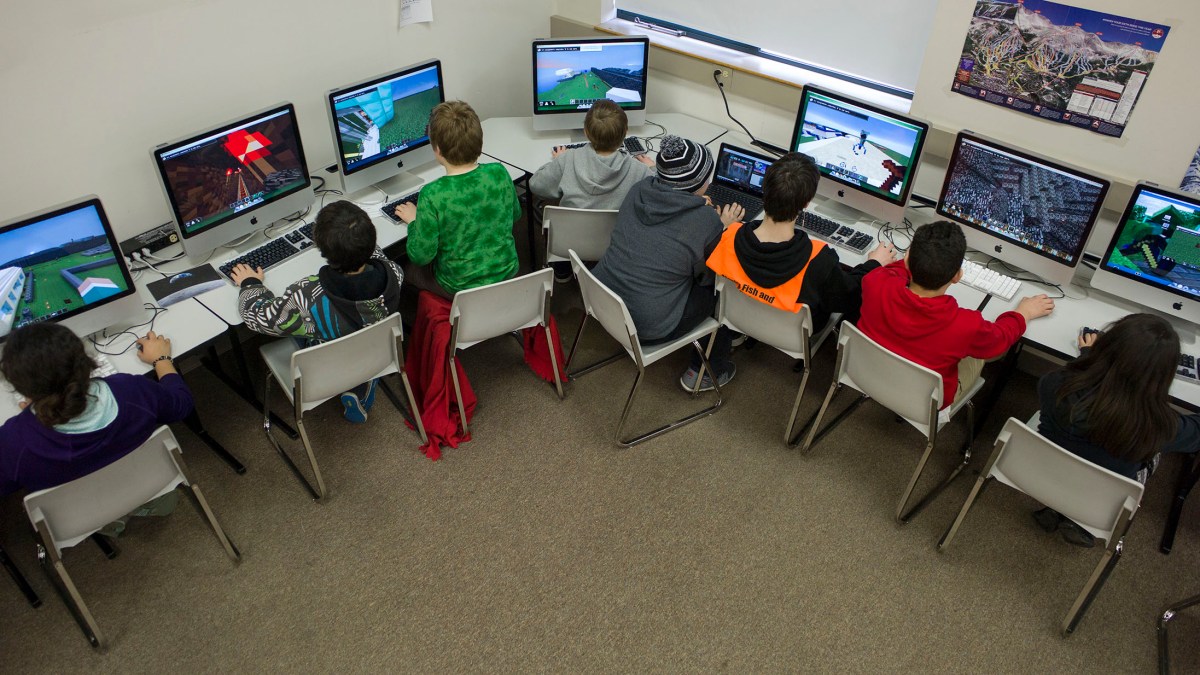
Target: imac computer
[
  {"x": 1021, "y": 208},
  {"x": 570, "y": 75},
  {"x": 381, "y": 127},
  {"x": 1154, "y": 256},
  {"x": 234, "y": 179},
  {"x": 867, "y": 155},
  {"x": 63, "y": 264}
]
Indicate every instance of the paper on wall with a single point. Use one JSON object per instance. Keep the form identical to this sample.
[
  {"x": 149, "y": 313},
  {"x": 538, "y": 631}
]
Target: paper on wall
[
  {"x": 415, "y": 11},
  {"x": 1191, "y": 178}
]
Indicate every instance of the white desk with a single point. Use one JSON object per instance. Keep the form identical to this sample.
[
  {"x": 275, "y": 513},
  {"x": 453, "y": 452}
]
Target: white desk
[{"x": 512, "y": 140}]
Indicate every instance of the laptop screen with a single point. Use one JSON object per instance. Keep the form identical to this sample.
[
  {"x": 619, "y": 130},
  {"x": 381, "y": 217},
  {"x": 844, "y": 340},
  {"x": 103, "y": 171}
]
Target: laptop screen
[{"x": 741, "y": 169}]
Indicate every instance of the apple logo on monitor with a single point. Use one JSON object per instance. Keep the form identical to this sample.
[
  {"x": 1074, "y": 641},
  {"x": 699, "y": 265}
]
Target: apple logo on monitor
[
  {"x": 999, "y": 248},
  {"x": 1177, "y": 305},
  {"x": 841, "y": 193}
]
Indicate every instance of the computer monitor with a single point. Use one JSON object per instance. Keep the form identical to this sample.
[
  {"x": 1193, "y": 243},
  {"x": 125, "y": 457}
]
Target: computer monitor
[
  {"x": 63, "y": 264},
  {"x": 872, "y": 151},
  {"x": 1154, "y": 256},
  {"x": 381, "y": 127},
  {"x": 1019, "y": 207},
  {"x": 230, "y": 180},
  {"x": 570, "y": 75}
]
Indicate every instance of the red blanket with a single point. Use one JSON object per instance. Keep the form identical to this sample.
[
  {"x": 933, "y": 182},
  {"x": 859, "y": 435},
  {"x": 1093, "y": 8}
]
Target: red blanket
[{"x": 429, "y": 371}]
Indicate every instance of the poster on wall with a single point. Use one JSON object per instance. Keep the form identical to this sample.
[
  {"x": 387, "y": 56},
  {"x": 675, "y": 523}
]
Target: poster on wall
[
  {"x": 1191, "y": 178},
  {"x": 1060, "y": 63}
]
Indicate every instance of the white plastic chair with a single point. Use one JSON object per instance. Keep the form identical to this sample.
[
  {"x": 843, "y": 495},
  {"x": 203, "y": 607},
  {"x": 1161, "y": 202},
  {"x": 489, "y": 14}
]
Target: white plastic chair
[
  {"x": 586, "y": 231},
  {"x": 313, "y": 375},
  {"x": 68, "y": 514},
  {"x": 912, "y": 391},
  {"x": 789, "y": 332},
  {"x": 1098, "y": 500},
  {"x": 610, "y": 311},
  {"x": 479, "y": 314}
]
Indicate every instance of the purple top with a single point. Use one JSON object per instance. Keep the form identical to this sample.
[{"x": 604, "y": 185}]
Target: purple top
[{"x": 34, "y": 456}]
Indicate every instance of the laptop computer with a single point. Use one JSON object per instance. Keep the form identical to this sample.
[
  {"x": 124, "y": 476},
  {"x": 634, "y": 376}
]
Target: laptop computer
[{"x": 739, "y": 178}]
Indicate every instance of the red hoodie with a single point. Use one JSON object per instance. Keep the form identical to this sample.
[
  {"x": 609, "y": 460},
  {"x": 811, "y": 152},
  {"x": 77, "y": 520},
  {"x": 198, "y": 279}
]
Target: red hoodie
[{"x": 934, "y": 332}]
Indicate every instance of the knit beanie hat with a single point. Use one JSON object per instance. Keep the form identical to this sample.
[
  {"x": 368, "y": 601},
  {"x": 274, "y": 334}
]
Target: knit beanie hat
[{"x": 682, "y": 164}]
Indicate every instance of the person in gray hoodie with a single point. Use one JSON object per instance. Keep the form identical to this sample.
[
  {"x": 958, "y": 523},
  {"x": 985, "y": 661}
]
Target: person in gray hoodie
[
  {"x": 665, "y": 231},
  {"x": 595, "y": 176}
]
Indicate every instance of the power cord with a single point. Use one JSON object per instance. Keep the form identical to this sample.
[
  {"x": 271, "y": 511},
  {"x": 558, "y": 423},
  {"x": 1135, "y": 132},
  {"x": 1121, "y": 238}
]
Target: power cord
[
  {"x": 109, "y": 339},
  {"x": 774, "y": 149}
]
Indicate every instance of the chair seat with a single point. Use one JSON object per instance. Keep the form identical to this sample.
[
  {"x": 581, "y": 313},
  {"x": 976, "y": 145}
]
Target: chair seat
[{"x": 652, "y": 353}]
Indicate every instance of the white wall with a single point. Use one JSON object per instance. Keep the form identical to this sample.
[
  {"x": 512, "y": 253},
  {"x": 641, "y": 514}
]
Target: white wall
[{"x": 90, "y": 86}]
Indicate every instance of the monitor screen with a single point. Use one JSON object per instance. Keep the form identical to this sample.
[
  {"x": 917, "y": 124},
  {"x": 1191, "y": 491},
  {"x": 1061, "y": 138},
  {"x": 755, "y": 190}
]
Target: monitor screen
[
  {"x": 1157, "y": 242},
  {"x": 1022, "y": 199},
  {"x": 741, "y": 169},
  {"x": 234, "y": 169},
  {"x": 571, "y": 75},
  {"x": 58, "y": 264},
  {"x": 385, "y": 116},
  {"x": 859, "y": 145}
]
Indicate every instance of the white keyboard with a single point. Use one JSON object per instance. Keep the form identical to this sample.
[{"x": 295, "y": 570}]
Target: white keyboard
[
  {"x": 989, "y": 281},
  {"x": 104, "y": 368}
]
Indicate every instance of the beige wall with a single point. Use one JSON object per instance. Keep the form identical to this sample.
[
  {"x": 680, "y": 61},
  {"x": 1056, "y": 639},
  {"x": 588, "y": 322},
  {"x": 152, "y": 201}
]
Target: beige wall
[{"x": 89, "y": 87}]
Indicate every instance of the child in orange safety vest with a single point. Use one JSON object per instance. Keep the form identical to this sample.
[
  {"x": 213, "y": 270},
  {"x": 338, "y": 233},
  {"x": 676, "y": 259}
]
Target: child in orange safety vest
[{"x": 776, "y": 263}]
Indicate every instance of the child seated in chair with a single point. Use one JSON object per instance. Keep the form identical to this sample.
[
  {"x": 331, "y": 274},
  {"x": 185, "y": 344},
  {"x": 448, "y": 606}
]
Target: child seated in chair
[
  {"x": 905, "y": 309},
  {"x": 461, "y": 234},
  {"x": 595, "y": 176},
  {"x": 72, "y": 424},
  {"x": 776, "y": 263},
  {"x": 358, "y": 286},
  {"x": 1111, "y": 407}
]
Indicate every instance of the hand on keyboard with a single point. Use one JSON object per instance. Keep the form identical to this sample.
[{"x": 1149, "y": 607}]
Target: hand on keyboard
[
  {"x": 406, "y": 212},
  {"x": 731, "y": 213},
  {"x": 242, "y": 271}
]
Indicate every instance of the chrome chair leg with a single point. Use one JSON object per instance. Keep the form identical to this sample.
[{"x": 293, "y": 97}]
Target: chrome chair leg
[
  {"x": 201, "y": 504},
  {"x": 553, "y": 361},
  {"x": 1164, "y": 620},
  {"x": 976, "y": 492},
  {"x": 51, "y": 562},
  {"x": 312, "y": 457},
  {"x": 903, "y": 517},
  {"x": 287, "y": 461},
  {"x": 462, "y": 410},
  {"x": 630, "y": 442},
  {"x": 1112, "y": 555},
  {"x": 815, "y": 433},
  {"x": 790, "y": 435},
  {"x": 412, "y": 404},
  {"x": 595, "y": 366}
]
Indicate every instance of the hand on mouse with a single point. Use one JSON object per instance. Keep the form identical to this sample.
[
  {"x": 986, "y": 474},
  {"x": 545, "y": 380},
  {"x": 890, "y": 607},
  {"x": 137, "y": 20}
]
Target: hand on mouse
[
  {"x": 1087, "y": 338},
  {"x": 1035, "y": 306},
  {"x": 884, "y": 254},
  {"x": 153, "y": 346}
]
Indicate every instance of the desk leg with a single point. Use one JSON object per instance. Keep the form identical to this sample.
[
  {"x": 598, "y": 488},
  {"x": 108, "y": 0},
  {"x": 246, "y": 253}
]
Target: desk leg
[
  {"x": 193, "y": 422},
  {"x": 19, "y": 579},
  {"x": 245, "y": 388},
  {"x": 530, "y": 226},
  {"x": 1187, "y": 480}
]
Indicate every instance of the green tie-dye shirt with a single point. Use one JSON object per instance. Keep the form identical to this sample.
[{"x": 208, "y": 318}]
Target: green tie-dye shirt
[{"x": 464, "y": 225}]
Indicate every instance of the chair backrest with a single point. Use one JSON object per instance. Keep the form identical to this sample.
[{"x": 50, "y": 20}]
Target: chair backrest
[
  {"x": 481, "y": 313},
  {"x": 607, "y": 308},
  {"x": 1088, "y": 494},
  {"x": 73, "y": 511},
  {"x": 904, "y": 387},
  {"x": 789, "y": 332},
  {"x": 329, "y": 368},
  {"x": 587, "y": 231}
]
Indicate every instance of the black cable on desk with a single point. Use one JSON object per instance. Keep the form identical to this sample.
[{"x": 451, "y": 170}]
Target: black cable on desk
[{"x": 128, "y": 331}]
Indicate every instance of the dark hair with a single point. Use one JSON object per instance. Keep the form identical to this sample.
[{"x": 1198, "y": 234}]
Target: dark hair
[
  {"x": 605, "y": 125},
  {"x": 455, "y": 131},
  {"x": 46, "y": 364},
  {"x": 789, "y": 185},
  {"x": 345, "y": 236},
  {"x": 1117, "y": 392},
  {"x": 936, "y": 254}
]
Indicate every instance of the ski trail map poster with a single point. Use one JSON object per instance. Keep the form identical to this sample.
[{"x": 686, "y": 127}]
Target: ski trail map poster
[{"x": 1060, "y": 63}]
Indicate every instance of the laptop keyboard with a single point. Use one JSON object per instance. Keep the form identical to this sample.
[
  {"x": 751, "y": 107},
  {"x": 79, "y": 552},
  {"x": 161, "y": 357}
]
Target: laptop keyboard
[
  {"x": 833, "y": 232},
  {"x": 1187, "y": 369},
  {"x": 722, "y": 195}
]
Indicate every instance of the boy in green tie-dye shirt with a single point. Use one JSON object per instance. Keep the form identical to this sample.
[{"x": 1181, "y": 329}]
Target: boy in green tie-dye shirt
[{"x": 463, "y": 227}]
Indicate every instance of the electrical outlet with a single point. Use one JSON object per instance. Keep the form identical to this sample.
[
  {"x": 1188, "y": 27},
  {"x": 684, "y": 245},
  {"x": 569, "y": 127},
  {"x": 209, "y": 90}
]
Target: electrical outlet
[
  {"x": 154, "y": 240},
  {"x": 723, "y": 73}
]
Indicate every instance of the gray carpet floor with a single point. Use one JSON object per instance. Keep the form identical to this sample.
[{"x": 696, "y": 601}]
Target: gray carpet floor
[{"x": 542, "y": 546}]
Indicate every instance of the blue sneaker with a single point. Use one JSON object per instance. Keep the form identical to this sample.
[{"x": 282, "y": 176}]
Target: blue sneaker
[
  {"x": 369, "y": 399},
  {"x": 353, "y": 409}
]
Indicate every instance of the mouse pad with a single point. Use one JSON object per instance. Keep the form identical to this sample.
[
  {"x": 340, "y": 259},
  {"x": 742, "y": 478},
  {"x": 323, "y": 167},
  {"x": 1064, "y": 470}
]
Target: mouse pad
[{"x": 184, "y": 285}]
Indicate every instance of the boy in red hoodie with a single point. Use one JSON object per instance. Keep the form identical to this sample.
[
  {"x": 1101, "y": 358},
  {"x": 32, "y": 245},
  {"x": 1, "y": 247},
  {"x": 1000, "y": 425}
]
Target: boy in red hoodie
[{"x": 905, "y": 308}]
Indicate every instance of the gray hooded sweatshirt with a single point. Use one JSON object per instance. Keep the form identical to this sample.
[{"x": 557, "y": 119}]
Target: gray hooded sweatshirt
[
  {"x": 581, "y": 179},
  {"x": 657, "y": 254}
]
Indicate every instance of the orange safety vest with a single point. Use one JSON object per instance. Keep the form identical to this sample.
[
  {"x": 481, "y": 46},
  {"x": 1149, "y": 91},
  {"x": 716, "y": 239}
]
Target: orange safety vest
[{"x": 786, "y": 296}]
